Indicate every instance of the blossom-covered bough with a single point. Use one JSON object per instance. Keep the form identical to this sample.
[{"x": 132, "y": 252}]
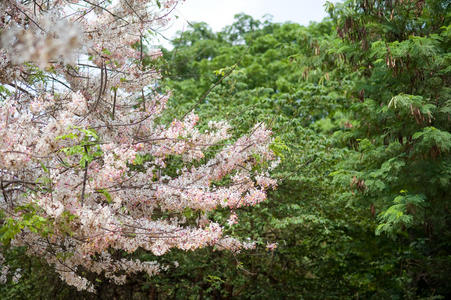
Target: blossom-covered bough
[{"x": 86, "y": 169}]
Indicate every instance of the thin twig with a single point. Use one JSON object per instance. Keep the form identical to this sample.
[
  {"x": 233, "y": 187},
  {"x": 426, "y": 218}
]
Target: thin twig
[
  {"x": 205, "y": 94},
  {"x": 85, "y": 176}
]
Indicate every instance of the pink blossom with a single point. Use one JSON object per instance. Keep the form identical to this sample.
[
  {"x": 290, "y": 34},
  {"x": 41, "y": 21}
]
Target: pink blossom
[
  {"x": 271, "y": 246},
  {"x": 87, "y": 151}
]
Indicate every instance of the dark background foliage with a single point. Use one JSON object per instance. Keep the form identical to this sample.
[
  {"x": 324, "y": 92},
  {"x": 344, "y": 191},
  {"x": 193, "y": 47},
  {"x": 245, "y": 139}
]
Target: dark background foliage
[{"x": 360, "y": 108}]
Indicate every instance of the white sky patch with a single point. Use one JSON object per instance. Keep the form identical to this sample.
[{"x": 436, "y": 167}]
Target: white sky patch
[{"x": 219, "y": 13}]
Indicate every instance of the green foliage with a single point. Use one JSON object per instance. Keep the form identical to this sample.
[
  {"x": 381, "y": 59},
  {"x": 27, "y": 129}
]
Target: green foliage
[
  {"x": 398, "y": 217},
  {"x": 360, "y": 107},
  {"x": 30, "y": 220},
  {"x": 399, "y": 53},
  {"x": 87, "y": 148}
]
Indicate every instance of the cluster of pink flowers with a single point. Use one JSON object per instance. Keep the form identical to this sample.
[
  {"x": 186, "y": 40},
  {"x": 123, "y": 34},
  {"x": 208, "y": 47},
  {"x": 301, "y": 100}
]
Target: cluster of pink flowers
[
  {"x": 271, "y": 246},
  {"x": 84, "y": 148}
]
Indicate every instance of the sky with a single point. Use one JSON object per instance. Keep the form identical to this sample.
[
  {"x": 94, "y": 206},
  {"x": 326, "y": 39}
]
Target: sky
[{"x": 219, "y": 13}]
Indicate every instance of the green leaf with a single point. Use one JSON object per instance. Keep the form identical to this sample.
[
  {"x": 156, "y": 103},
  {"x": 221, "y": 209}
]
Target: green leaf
[{"x": 106, "y": 194}]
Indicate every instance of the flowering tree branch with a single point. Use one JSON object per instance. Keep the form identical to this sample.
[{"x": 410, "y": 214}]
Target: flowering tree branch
[{"x": 84, "y": 157}]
